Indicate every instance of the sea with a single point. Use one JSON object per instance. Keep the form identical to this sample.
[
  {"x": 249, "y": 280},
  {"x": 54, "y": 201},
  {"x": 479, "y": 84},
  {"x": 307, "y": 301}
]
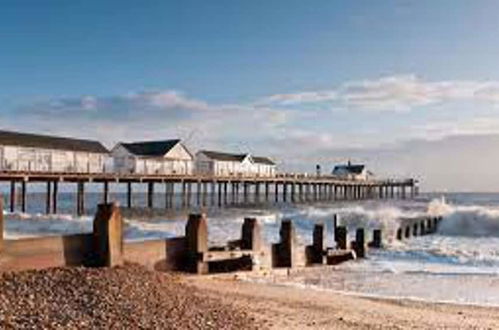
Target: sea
[{"x": 457, "y": 264}]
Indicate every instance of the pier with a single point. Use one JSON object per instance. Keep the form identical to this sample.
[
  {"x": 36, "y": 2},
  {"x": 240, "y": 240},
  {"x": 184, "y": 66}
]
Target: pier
[{"x": 206, "y": 191}]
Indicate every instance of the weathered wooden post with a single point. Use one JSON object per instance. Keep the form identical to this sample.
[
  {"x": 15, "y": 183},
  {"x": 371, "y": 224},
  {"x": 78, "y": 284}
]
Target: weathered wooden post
[
  {"x": 251, "y": 235},
  {"x": 283, "y": 251},
  {"x": 341, "y": 237},
  {"x": 315, "y": 252},
  {"x": 108, "y": 235},
  {"x": 377, "y": 241},
  {"x": 196, "y": 233},
  {"x": 359, "y": 244},
  {"x": 1, "y": 223}
]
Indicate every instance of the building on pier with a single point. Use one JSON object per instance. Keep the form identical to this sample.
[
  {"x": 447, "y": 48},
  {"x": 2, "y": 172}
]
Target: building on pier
[
  {"x": 352, "y": 171},
  {"x": 214, "y": 163},
  {"x": 153, "y": 157},
  {"x": 43, "y": 153}
]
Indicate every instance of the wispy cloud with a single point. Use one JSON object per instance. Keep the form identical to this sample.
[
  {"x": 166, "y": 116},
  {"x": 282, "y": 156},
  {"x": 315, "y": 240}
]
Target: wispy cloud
[{"x": 393, "y": 93}]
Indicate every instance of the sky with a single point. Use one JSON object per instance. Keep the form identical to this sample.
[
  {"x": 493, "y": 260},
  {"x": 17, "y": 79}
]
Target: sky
[{"x": 411, "y": 88}]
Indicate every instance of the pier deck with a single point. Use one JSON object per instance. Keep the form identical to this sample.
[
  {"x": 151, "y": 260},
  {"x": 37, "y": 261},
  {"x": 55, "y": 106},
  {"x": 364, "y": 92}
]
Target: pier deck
[{"x": 195, "y": 189}]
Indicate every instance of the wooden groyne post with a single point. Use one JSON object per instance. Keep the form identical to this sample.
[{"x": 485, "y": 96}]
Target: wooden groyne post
[
  {"x": 108, "y": 235},
  {"x": 196, "y": 232},
  {"x": 1, "y": 223},
  {"x": 284, "y": 251}
]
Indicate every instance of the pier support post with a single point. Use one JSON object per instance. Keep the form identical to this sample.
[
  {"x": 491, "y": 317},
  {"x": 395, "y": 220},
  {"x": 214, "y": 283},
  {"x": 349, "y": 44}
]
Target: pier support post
[
  {"x": 80, "y": 198},
  {"x": 55, "y": 195},
  {"x": 219, "y": 194},
  {"x": 48, "y": 198},
  {"x": 267, "y": 188},
  {"x": 400, "y": 235},
  {"x": 105, "y": 197},
  {"x": 108, "y": 235},
  {"x": 213, "y": 192},
  {"x": 12, "y": 196},
  {"x": 276, "y": 192},
  {"x": 196, "y": 234},
  {"x": 23, "y": 196},
  {"x": 189, "y": 194},
  {"x": 284, "y": 192},
  {"x": 150, "y": 195},
  {"x": 129, "y": 195},
  {"x": 225, "y": 184}
]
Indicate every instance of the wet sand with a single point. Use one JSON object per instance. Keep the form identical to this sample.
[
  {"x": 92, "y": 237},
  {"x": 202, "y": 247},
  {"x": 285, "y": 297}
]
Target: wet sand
[{"x": 284, "y": 307}]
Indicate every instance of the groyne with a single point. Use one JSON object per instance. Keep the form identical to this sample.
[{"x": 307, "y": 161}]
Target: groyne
[{"x": 105, "y": 247}]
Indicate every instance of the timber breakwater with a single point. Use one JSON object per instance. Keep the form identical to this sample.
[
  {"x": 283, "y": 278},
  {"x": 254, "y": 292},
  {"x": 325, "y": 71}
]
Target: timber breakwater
[{"x": 105, "y": 246}]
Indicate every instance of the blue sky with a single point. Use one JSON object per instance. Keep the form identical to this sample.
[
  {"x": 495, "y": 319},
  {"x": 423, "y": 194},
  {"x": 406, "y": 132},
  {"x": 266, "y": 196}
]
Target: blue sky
[{"x": 303, "y": 81}]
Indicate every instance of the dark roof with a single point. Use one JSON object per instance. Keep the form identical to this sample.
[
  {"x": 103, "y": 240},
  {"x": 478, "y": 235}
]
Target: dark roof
[
  {"x": 224, "y": 156},
  {"x": 151, "y": 148},
  {"x": 50, "y": 142},
  {"x": 263, "y": 160},
  {"x": 354, "y": 169}
]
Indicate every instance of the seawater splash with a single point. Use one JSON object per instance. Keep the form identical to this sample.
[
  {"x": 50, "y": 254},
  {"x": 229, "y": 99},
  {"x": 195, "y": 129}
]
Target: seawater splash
[{"x": 466, "y": 220}]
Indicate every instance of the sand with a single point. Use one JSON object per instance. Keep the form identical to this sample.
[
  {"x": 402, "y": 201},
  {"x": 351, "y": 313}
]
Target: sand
[{"x": 285, "y": 307}]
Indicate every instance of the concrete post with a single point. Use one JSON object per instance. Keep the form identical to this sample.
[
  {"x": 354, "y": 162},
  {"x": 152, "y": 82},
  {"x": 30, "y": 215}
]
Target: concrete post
[
  {"x": 251, "y": 235},
  {"x": 108, "y": 235},
  {"x": 196, "y": 233},
  {"x": 341, "y": 237}
]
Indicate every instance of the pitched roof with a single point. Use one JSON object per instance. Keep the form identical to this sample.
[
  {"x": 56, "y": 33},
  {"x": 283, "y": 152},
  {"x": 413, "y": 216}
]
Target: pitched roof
[
  {"x": 224, "y": 156},
  {"x": 263, "y": 160},
  {"x": 151, "y": 148},
  {"x": 349, "y": 168},
  {"x": 50, "y": 142}
]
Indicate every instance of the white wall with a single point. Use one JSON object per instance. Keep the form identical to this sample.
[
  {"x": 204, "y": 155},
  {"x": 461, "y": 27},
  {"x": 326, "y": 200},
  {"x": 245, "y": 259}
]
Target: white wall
[{"x": 45, "y": 160}]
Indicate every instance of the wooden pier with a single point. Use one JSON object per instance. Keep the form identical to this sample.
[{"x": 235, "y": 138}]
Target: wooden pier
[{"x": 203, "y": 191}]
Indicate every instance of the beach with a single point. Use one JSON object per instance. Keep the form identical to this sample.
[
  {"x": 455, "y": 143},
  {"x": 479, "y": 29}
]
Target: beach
[
  {"x": 131, "y": 296},
  {"x": 287, "y": 307}
]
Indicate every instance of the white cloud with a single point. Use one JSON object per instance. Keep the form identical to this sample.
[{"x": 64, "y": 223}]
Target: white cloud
[{"x": 393, "y": 93}]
